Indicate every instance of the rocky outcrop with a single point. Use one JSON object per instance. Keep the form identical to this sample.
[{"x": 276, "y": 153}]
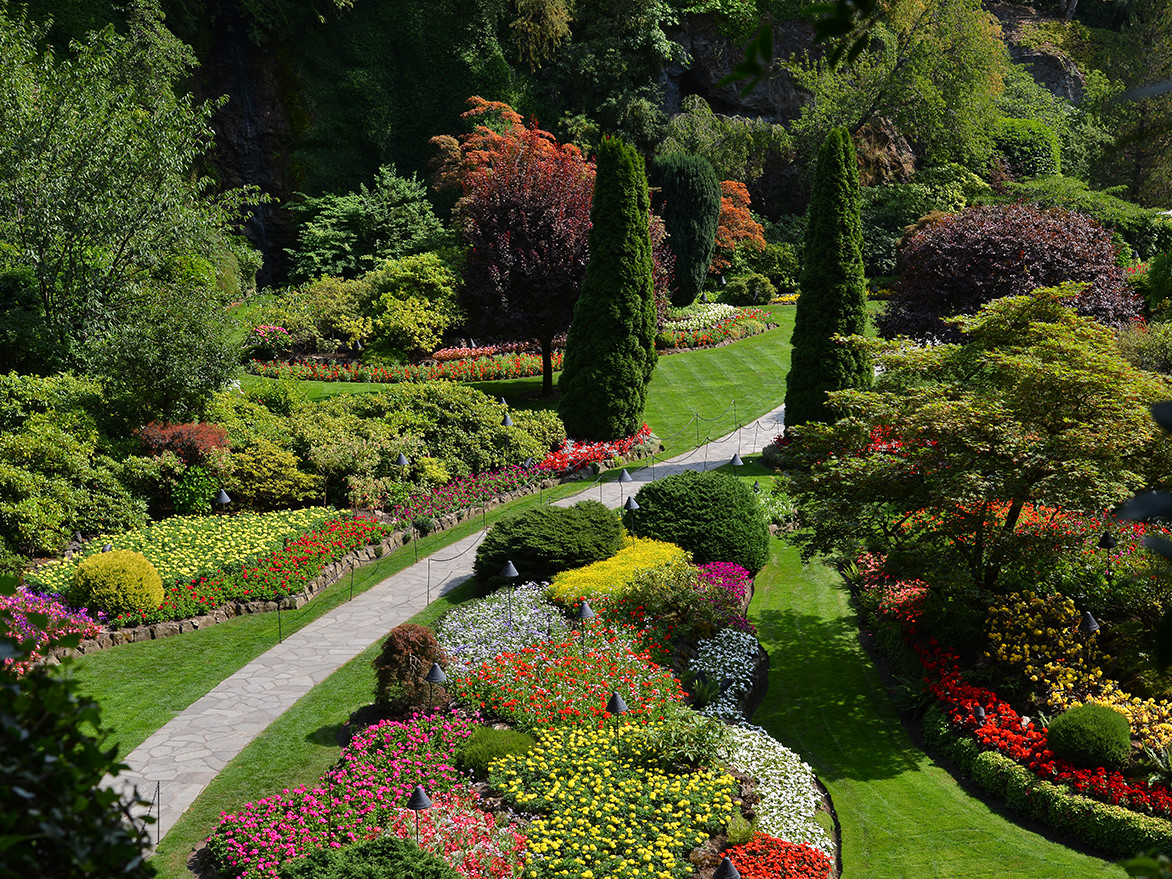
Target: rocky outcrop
[{"x": 1052, "y": 70}]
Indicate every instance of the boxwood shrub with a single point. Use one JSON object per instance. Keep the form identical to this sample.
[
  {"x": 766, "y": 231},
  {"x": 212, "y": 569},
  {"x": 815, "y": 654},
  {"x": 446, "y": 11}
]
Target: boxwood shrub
[
  {"x": 712, "y": 515},
  {"x": 385, "y": 857},
  {"x": 1091, "y": 735},
  {"x": 545, "y": 541}
]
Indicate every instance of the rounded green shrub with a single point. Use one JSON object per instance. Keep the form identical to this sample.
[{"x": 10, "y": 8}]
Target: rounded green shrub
[
  {"x": 1028, "y": 148},
  {"x": 385, "y": 857},
  {"x": 487, "y": 744},
  {"x": 714, "y": 516},
  {"x": 752, "y": 289},
  {"x": 119, "y": 581},
  {"x": 548, "y": 540},
  {"x": 1091, "y": 736}
]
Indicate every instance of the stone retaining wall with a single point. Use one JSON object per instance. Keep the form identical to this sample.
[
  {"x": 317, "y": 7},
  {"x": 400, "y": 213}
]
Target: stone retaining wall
[{"x": 330, "y": 574}]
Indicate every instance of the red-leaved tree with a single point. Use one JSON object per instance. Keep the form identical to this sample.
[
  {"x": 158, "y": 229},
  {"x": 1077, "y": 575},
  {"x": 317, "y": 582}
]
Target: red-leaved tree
[
  {"x": 736, "y": 227},
  {"x": 524, "y": 212}
]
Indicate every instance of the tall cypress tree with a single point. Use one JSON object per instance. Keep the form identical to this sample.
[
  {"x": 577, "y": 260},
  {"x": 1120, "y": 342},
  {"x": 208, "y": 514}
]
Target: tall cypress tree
[
  {"x": 610, "y": 347},
  {"x": 833, "y": 297},
  {"x": 690, "y": 193}
]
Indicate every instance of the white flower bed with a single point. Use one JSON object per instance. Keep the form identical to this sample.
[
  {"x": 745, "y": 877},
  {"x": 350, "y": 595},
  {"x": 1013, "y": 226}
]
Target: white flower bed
[
  {"x": 701, "y": 317},
  {"x": 789, "y": 798},
  {"x": 728, "y": 656},
  {"x": 479, "y": 630}
]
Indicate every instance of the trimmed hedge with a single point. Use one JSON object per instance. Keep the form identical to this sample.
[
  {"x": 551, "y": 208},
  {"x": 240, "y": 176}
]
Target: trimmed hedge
[
  {"x": 712, "y": 515},
  {"x": 383, "y": 858},
  {"x": 1112, "y": 830},
  {"x": 545, "y": 541},
  {"x": 1091, "y": 735}
]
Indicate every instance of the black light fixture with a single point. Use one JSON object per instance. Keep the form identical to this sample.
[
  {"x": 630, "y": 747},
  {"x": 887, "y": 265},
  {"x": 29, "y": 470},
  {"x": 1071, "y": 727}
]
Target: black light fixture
[
  {"x": 1107, "y": 542},
  {"x": 736, "y": 460},
  {"x": 528, "y": 465},
  {"x": 616, "y": 705},
  {"x": 756, "y": 485},
  {"x": 401, "y": 461},
  {"x": 1089, "y": 624},
  {"x": 510, "y": 573},
  {"x": 435, "y": 675},
  {"x": 631, "y": 505},
  {"x": 417, "y": 802},
  {"x": 726, "y": 870},
  {"x": 979, "y": 713},
  {"x": 625, "y": 477},
  {"x": 585, "y": 612},
  {"x": 504, "y": 402},
  {"x": 358, "y": 346},
  {"x": 506, "y": 421},
  {"x": 106, "y": 547},
  {"x": 703, "y": 297},
  {"x": 222, "y": 498}
]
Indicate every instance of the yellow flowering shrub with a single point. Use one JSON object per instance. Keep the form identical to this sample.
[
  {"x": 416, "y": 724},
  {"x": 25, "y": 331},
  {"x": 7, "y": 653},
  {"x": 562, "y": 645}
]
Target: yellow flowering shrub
[
  {"x": 607, "y": 810},
  {"x": 613, "y": 574}
]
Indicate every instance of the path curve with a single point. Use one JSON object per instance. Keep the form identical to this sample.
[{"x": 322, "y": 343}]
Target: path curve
[{"x": 183, "y": 756}]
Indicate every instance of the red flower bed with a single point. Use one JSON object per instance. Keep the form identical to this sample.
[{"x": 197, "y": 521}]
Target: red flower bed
[
  {"x": 574, "y": 455},
  {"x": 479, "y": 369},
  {"x": 1002, "y": 728},
  {"x": 767, "y": 857}
]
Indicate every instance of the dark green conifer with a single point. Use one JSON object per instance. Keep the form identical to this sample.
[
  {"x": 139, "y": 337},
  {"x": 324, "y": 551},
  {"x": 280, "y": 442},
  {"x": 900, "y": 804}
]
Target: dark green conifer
[
  {"x": 833, "y": 296},
  {"x": 689, "y": 192},
  {"x": 610, "y": 348}
]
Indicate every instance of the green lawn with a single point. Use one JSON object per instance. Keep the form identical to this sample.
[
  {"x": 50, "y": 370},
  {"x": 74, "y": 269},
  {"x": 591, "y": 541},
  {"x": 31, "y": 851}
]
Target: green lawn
[{"x": 901, "y": 814}]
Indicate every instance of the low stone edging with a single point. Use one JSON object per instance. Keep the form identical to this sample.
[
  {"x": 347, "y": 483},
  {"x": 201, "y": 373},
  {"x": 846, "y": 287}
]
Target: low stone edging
[{"x": 330, "y": 574}]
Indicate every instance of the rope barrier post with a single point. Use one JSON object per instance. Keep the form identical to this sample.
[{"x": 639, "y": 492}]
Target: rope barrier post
[
  {"x": 158, "y": 802},
  {"x": 429, "y": 579},
  {"x": 352, "y": 561},
  {"x": 415, "y": 543},
  {"x": 280, "y": 637},
  {"x": 696, "y": 416}
]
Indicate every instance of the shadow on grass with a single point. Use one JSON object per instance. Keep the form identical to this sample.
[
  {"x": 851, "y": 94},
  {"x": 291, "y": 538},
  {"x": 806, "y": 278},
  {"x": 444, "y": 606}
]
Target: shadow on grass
[
  {"x": 326, "y": 736},
  {"x": 827, "y": 701}
]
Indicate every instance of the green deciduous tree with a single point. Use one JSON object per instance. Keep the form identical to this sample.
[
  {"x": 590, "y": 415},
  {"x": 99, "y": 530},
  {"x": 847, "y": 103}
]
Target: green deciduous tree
[
  {"x": 941, "y": 462},
  {"x": 833, "y": 300},
  {"x": 689, "y": 195},
  {"x": 610, "y": 349}
]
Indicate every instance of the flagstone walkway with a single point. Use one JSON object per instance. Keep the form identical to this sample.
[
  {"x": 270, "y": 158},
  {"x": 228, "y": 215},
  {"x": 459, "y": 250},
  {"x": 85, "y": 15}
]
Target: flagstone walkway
[{"x": 188, "y": 752}]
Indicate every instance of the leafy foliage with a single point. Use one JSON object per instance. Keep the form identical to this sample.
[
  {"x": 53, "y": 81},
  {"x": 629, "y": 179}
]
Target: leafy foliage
[
  {"x": 414, "y": 303},
  {"x": 1090, "y": 736},
  {"x": 406, "y": 656},
  {"x": 833, "y": 300},
  {"x": 60, "y": 821},
  {"x": 954, "y": 264},
  {"x": 545, "y": 541},
  {"x": 346, "y": 235},
  {"x": 610, "y": 348},
  {"x": 524, "y": 214},
  {"x": 193, "y": 443},
  {"x": 690, "y": 198},
  {"x": 712, "y": 515},
  {"x": 384, "y": 857},
  {"x": 1027, "y": 148},
  {"x": 117, "y": 582},
  {"x": 736, "y": 227},
  {"x": 940, "y": 464}
]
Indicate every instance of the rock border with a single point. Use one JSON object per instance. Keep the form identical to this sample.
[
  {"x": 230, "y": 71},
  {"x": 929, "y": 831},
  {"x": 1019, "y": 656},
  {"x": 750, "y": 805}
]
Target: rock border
[{"x": 334, "y": 571}]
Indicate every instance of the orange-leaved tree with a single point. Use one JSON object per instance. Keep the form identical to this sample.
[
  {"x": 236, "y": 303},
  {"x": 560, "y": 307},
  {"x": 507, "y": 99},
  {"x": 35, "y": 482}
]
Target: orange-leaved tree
[{"x": 736, "y": 227}]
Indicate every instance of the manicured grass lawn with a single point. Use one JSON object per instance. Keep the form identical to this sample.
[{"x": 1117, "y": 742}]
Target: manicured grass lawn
[{"x": 901, "y": 814}]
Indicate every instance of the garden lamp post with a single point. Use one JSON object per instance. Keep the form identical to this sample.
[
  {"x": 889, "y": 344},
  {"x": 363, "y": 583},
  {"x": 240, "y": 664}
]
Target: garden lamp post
[
  {"x": 616, "y": 705},
  {"x": 624, "y": 478},
  {"x": 506, "y": 421},
  {"x": 979, "y": 714},
  {"x": 585, "y": 613},
  {"x": 435, "y": 675},
  {"x": 1107, "y": 542},
  {"x": 509, "y": 572},
  {"x": 417, "y": 802},
  {"x": 631, "y": 505},
  {"x": 736, "y": 461},
  {"x": 726, "y": 870},
  {"x": 358, "y": 346},
  {"x": 756, "y": 485},
  {"x": 221, "y": 500},
  {"x": 106, "y": 547}
]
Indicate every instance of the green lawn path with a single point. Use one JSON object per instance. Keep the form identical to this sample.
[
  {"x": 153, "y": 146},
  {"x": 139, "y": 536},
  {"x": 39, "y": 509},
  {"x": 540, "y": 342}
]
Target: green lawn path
[{"x": 901, "y": 814}]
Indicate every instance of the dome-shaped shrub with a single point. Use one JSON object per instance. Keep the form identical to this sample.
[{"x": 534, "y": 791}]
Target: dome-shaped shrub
[
  {"x": 119, "y": 581},
  {"x": 714, "y": 516},
  {"x": 1091, "y": 736}
]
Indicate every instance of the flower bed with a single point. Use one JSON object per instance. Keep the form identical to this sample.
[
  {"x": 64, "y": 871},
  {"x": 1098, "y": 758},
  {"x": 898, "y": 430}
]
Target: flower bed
[
  {"x": 765, "y": 857},
  {"x": 608, "y": 810},
  {"x": 610, "y": 576},
  {"x": 569, "y": 681},
  {"x": 704, "y": 330},
  {"x": 573, "y": 455},
  {"x": 187, "y": 547},
  {"x": 443, "y": 354},
  {"x": 362, "y": 796},
  {"x": 729, "y": 658},
  {"x": 479, "y": 369},
  {"x": 505, "y": 621},
  {"x": 51, "y": 620},
  {"x": 462, "y": 494}
]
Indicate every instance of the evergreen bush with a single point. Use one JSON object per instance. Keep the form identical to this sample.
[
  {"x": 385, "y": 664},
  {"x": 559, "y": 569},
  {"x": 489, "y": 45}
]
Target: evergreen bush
[
  {"x": 689, "y": 200},
  {"x": 406, "y": 655},
  {"x": 834, "y": 292},
  {"x": 754, "y": 289},
  {"x": 1091, "y": 736},
  {"x": 610, "y": 348},
  {"x": 384, "y": 857},
  {"x": 119, "y": 581},
  {"x": 712, "y": 515},
  {"x": 545, "y": 541},
  {"x": 487, "y": 744}
]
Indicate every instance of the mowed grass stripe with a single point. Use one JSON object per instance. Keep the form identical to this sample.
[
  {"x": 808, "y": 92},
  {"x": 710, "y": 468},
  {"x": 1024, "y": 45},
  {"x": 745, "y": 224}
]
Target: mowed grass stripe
[{"x": 901, "y": 814}]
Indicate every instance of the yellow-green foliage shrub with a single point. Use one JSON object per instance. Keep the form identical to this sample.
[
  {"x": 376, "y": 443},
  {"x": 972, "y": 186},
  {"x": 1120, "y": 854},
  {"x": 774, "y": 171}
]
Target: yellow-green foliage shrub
[
  {"x": 267, "y": 477},
  {"x": 613, "y": 575},
  {"x": 119, "y": 581}
]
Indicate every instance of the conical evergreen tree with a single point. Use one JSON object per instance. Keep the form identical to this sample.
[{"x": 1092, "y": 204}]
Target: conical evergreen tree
[
  {"x": 610, "y": 348},
  {"x": 690, "y": 193},
  {"x": 833, "y": 297}
]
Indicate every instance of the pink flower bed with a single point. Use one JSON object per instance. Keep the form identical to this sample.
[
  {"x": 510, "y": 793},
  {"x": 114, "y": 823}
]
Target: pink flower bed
[
  {"x": 40, "y": 619},
  {"x": 362, "y": 796},
  {"x": 725, "y": 586}
]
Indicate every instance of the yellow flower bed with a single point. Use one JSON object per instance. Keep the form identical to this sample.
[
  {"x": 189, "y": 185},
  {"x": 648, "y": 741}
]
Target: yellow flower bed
[
  {"x": 606, "y": 807},
  {"x": 1038, "y": 638},
  {"x": 611, "y": 575}
]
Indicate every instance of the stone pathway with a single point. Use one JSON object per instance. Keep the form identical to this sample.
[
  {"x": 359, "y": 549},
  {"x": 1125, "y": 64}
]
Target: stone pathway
[{"x": 188, "y": 752}]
